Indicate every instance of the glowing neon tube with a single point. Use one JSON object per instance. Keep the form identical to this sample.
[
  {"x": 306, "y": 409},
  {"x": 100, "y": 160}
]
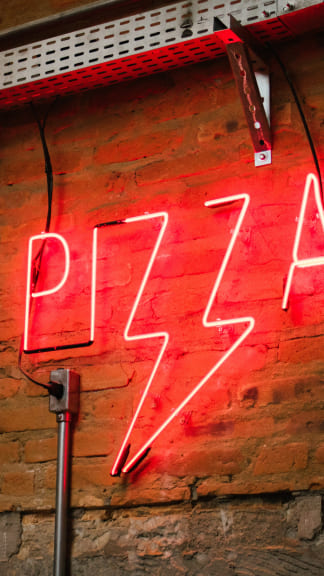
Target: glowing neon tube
[
  {"x": 249, "y": 320},
  {"x": 93, "y": 282},
  {"x": 29, "y": 293},
  {"x": 144, "y": 336},
  {"x": 304, "y": 262}
]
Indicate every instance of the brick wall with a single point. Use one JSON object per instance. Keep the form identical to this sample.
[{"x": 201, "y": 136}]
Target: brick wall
[
  {"x": 234, "y": 484},
  {"x": 18, "y": 13}
]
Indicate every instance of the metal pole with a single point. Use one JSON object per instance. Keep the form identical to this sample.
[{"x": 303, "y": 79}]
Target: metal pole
[
  {"x": 62, "y": 492},
  {"x": 65, "y": 407}
]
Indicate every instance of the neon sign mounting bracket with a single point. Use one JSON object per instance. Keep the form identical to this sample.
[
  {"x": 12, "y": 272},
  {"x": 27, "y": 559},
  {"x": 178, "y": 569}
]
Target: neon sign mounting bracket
[{"x": 251, "y": 74}]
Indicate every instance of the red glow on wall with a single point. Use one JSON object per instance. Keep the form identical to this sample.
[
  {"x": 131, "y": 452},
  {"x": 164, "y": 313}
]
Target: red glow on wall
[
  {"x": 122, "y": 283},
  {"x": 208, "y": 324},
  {"x": 54, "y": 304},
  {"x": 147, "y": 335},
  {"x": 297, "y": 262},
  {"x": 41, "y": 294}
]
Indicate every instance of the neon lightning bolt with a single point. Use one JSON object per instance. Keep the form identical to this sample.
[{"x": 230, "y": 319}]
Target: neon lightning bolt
[
  {"x": 306, "y": 262},
  {"x": 123, "y": 452},
  {"x": 208, "y": 324}
]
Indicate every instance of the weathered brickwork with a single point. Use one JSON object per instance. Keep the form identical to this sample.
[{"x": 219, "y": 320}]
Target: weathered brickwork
[
  {"x": 278, "y": 535},
  {"x": 168, "y": 142},
  {"x": 18, "y": 12}
]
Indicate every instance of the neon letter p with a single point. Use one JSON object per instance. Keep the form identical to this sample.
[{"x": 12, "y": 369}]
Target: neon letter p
[{"x": 29, "y": 293}]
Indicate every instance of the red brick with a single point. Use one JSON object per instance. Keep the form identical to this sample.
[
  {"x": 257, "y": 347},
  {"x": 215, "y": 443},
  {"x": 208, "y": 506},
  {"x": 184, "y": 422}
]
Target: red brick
[
  {"x": 29, "y": 389},
  {"x": 192, "y": 102},
  {"x": 10, "y": 328},
  {"x": 90, "y": 474},
  {"x": 280, "y": 459},
  {"x": 27, "y": 414},
  {"x": 18, "y": 14},
  {"x": 87, "y": 475},
  {"x": 75, "y": 160},
  {"x": 301, "y": 350},
  {"x": 197, "y": 162},
  {"x": 18, "y": 482},
  {"x": 212, "y": 486},
  {"x": 142, "y": 146},
  {"x": 50, "y": 476},
  {"x": 320, "y": 454},
  {"x": 299, "y": 386},
  {"x": 82, "y": 499},
  {"x": 9, "y": 387},
  {"x": 253, "y": 357},
  {"x": 9, "y": 452},
  {"x": 282, "y": 114},
  {"x": 102, "y": 376},
  {"x": 107, "y": 407},
  {"x": 41, "y": 450},
  {"x": 92, "y": 441},
  {"x": 205, "y": 461},
  {"x": 306, "y": 422},
  {"x": 264, "y": 427},
  {"x": 154, "y": 488}
]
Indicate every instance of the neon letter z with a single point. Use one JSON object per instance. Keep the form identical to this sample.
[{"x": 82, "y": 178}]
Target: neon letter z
[{"x": 207, "y": 323}]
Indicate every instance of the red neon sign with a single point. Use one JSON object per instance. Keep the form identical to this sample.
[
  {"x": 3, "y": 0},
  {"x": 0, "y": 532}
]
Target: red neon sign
[
  {"x": 30, "y": 293},
  {"x": 297, "y": 262},
  {"x": 208, "y": 324},
  {"x": 144, "y": 336},
  {"x": 161, "y": 218}
]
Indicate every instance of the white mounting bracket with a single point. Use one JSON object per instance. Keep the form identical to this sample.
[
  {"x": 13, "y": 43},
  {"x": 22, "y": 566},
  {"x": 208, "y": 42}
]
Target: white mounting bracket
[{"x": 253, "y": 82}]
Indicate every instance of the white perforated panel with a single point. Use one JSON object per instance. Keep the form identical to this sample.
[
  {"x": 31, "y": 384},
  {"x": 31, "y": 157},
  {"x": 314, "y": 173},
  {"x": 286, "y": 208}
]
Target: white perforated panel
[{"x": 155, "y": 40}]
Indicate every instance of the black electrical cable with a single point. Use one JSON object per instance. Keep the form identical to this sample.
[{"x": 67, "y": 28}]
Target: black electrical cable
[
  {"x": 302, "y": 116},
  {"x": 48, "y": 164},
  {"x": 49, "y": 176},
  {"x": 53, "y": 388}
]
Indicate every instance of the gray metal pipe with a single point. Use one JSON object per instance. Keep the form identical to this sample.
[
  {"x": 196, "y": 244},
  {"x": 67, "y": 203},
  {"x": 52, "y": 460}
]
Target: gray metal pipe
[
  {"x": 64, "y": 421},
  {"x": 65, "y": 407}
]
